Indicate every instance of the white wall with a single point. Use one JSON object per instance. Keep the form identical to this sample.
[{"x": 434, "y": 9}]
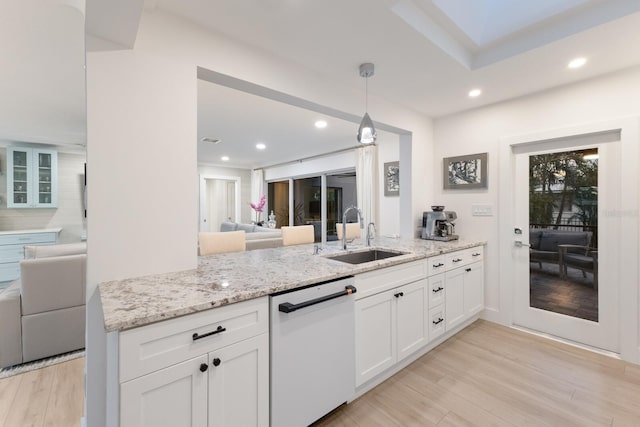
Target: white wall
[
  {"x": 142, "y": 123},
  {"x": 481, "y": 130},
  {"x": 69, "y": 215}
]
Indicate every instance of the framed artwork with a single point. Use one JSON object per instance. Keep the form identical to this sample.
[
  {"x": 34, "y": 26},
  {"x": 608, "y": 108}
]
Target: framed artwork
[
  {"x": 465, "y": 172},
  {"x": 392, "y": 179}
]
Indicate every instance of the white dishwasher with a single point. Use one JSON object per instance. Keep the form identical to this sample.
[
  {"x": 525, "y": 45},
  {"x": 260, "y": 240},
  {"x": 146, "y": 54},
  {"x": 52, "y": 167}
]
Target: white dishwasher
[{"x": 312, "y": 351}]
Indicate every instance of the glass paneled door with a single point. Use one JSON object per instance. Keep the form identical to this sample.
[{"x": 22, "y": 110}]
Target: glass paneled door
[{"x": 565, "y": 279}]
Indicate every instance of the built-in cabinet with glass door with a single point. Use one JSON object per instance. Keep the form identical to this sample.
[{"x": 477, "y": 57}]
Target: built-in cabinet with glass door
[{"x": 32, "y": 178}]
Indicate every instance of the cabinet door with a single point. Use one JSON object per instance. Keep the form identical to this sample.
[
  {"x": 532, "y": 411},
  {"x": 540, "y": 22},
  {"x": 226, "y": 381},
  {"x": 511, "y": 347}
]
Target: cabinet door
[
  {"x": 412, "y": 313},
  {"x": 239, "y": 384},
  {"x": 473, "y": 289},
  {"x": 173, "y": 397},
  {"x": 375, "y": 319},
  {"x": 454, "y": 298},
  {"x": 45, "y": 178},
  {"x": 19, "y": 179}
]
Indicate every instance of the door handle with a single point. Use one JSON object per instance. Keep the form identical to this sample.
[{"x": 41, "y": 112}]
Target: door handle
[{"x": 519, "y": 244}]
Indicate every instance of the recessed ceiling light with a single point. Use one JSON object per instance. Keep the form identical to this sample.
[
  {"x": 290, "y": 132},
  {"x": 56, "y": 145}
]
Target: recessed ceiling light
[
  {"x": 224, "y": 158},
  {"x": 474, "y": 93},
  {"x": 321, "y": 124},
  {"x": 260, "y": 146},
  {"x": 577, "y": 63},
  {"x": 211, "y": 140}
]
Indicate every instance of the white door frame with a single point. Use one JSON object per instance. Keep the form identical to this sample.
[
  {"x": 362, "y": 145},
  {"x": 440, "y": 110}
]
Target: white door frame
[
  {"x": 203, "y": 197},
  {"x": 628, "y": 214}
]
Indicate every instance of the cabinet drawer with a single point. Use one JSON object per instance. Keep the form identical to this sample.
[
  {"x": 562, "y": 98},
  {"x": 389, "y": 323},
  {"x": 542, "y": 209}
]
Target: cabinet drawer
[
  {"x": 436, "y": 290},
  {"x": 436, "y": 265},
  {"x": 436, "y": 322},
  {"x": 373, "y": 282},
  {"x": 156, "y": 346},
  {"x": 9, "y": 271},
  {"x": 476, "y": 254},
  {"x": 456, "y": 259},
  {"x": 27, "y": 238},
  {"x": 11, "y": 253}
]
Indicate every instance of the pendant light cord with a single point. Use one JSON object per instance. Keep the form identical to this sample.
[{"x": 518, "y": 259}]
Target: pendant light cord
[{"x": 366, "y": 94}]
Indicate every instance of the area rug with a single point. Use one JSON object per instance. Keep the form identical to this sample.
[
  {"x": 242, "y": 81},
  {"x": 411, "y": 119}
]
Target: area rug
[{"x": 39, "y": 364}]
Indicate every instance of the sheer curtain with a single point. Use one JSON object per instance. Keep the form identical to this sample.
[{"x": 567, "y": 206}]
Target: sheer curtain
[{"x": 367, "y": 182}]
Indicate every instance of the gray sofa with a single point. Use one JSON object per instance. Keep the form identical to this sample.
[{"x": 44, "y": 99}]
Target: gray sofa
[
  {"x": 546, "y": 244},
  {"x": 256, "y": 237},
  {"x": 42, "y": 314}
]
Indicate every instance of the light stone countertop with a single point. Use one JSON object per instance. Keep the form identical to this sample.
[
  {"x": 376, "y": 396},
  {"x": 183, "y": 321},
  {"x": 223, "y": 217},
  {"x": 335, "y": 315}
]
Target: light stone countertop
[{"x": 228, "y": 278}]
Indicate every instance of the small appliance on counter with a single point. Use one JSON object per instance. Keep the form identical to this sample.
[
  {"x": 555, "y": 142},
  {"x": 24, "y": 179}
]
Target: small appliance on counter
[{"x": 439, "y": 224}]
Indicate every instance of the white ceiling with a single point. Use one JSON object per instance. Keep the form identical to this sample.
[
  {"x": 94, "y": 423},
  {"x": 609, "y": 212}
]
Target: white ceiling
[{"x": 428, "y": 55}]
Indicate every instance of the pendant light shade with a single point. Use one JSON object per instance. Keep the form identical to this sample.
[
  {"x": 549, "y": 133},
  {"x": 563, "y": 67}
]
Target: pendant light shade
[{"x": 366, "y": 131}]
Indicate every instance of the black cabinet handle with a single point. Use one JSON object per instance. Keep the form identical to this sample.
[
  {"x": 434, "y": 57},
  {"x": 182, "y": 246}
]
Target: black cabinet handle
[
  {"x": 216, "y": 362},
  {"x": 399, "y": 294},
  {"x": 204, "y": 367},
  {"x": 467, "y": 270},
  {"x": 440, "y": 320},
  {"x": 438, "y": 265},
  {"x": 435, "y": 291},
  {"x": 476, "y": 254},
  {"x": 197, "y": 337},
  {"x": 457, "y": 260}
]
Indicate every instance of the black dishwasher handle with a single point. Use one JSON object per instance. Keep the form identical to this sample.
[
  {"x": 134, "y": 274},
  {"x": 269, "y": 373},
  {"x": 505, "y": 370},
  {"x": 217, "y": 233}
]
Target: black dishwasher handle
[{"x": 287, "y": 307}]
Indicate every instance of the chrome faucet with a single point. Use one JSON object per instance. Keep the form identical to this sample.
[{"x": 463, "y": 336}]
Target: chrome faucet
[
  {"x": 369, "y": 236},
  {"x": 344, "y": 224}
]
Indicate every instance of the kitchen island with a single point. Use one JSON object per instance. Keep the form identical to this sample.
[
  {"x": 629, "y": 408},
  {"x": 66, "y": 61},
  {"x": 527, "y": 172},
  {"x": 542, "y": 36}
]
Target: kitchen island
[{"x": 192, "y": 348}]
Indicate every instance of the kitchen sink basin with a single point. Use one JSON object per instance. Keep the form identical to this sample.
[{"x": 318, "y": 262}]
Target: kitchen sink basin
[{"x": 365, "y": 256}]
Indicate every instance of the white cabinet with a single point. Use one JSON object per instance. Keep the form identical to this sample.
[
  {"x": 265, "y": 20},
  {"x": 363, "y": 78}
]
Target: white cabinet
[
  {"x": 390, "y": 326},
  {"x": 12, "y": 248},
  {"x": 32, "y": 178},
  {"x": 175, "y": 396},
  {"x": 206, "y": 369},
  {"x": 465, "y": 293}
]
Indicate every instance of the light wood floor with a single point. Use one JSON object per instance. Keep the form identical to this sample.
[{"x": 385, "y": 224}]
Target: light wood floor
[
  {"x": 490, "y": 375},
  {"x": 487, "y": 375},
  {"x": 48, "y": 397}
]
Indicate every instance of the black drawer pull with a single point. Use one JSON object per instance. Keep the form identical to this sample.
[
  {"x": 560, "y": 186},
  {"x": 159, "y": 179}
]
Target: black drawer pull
[
  {"x": 457, "y": 260},
  {"x": 399, "y": 294},
  {"x": 216, "y": 362},
  {"x": 435, "y": 291},
  {"x": 438, "y": 265},
  {"x": 196, "y": 337},
  {"x": 204, "y": 367},
  {"x": 440, "y": 320},
  {"x": 467, "y": 270},
  {"x": 476, "y": 254}
]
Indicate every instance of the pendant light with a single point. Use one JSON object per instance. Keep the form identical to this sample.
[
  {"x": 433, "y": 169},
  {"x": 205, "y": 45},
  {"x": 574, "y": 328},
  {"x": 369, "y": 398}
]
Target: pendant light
[{"x": 366, "y": 131}]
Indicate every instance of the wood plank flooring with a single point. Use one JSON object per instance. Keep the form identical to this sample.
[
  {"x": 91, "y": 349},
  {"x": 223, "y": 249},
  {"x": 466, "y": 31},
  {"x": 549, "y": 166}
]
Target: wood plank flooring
[
  {"x": 487, "y": 375},
  {"x": 490, "y": 375},
  {"x": 47, "y": 397}
]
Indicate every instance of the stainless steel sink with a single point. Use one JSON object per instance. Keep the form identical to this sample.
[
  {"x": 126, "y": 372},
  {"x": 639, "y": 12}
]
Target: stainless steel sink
[{"x": 365, "y": 256}]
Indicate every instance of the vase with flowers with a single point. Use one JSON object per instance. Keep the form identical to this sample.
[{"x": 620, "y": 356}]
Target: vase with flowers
[{"x": 258, "y": 208}]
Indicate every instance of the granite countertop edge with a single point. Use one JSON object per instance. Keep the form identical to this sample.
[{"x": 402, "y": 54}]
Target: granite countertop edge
[{"x": 225, "y": 279}]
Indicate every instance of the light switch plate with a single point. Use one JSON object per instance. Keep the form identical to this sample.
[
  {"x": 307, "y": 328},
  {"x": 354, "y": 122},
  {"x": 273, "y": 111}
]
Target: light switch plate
[{"x": 482, "y": 210}]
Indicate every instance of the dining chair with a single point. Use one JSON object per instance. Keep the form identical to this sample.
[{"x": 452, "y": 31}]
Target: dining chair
[
  {"x": 221, "y": 242},
  {"x": 297, "y": 235}
]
